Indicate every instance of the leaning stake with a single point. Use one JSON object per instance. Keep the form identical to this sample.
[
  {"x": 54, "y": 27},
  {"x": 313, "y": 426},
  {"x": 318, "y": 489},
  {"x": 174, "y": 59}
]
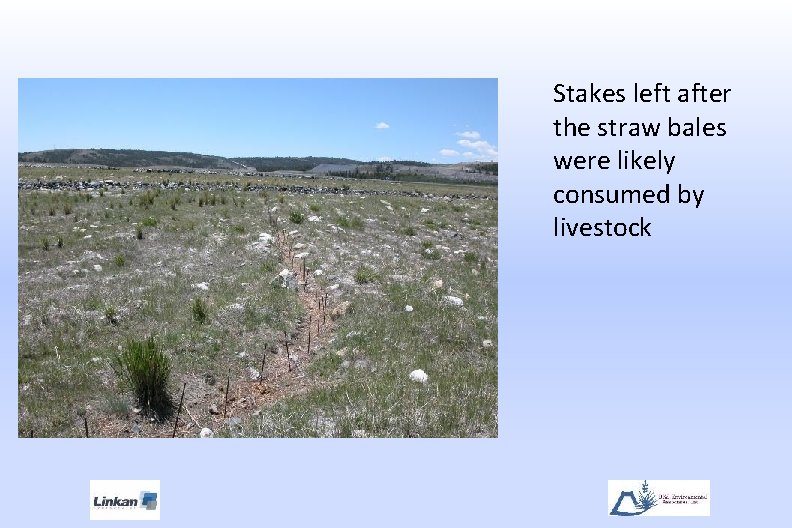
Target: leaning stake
[{"x": 176, "y": 423}]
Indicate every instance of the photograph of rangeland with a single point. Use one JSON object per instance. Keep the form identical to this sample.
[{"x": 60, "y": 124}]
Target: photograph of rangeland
[{"x": 257, "y": 289}]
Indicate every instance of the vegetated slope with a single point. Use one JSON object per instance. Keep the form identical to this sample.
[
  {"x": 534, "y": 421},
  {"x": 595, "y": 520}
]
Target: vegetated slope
[
  {"x": 327, "y": 166},
  {"x": 127, "y": 158}
]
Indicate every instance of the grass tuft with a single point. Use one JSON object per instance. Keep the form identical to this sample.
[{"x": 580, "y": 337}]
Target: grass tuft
[{"x": 146, "y": 370}]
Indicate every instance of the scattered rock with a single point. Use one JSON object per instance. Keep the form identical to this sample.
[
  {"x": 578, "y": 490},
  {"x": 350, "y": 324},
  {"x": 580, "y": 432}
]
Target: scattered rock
[
  {"x": 213, "y": 409},
  {"x": 293, "y": 232},
  {"x": 233, "y": 421},
  {"x": 206, "y": 433},
  {"x": 298, "y": 245},
  {"x": 201, "y": 286},
  {"x": 301, "y": 255},
  {"x": 285, "y": 279},
  {"x": 452, "y": 301},
  {"x": 342, "y": 352},
  {"x": 345, "y": 364},
  {"x": 318, "y": 272},
  {"x": 486, "y": 343},
  {"x": 361, "y": 364},
  {"x": 314, "y": 218},
  {"x": 97, "y": 267},
  {"x": 266, "y": 239},
  {"x": 253, "y": 374},
  {"x": 359, "y": 433},
  {"x": 333, "y": 287},
  {"x": 408, "y": 308},
  {"x": 437, "y": 284},
  {"x": 136, "y": 428},
  {"x": 419, "y": 375},
  {"x": 136, "y": 410},
  {"x": 424, "y": 210},
  {"x": 340, "y": 310}
]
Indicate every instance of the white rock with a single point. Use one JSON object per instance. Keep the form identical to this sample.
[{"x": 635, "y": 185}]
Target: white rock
[
  {"x": 419, "y": 376},
  {"x": 333, "y": 287},
  {"x": 408, "y": 308},
  {"x": 452, "y": 301},
  {"x": 266, "y": 238},
  {"x": 314, "y": 218},
  {"x": 97, "y": 267},
  {"x": 298, "y": 245},
  {"x": 274, "y": 209},
  {"x": 253, "y": 374},
  {"x": 201, "y": 286},
  {"x": 318, "y": 272},
  {"x": 87, "y": 236},
  {"x": 424, "y": 210},
  {"x": 437, "y": 284},
  {"x": 285, "y": 273},
  {"x": 206, "y": 433},
  {"x": 301, "y": 255},
  {"x": 293, "y": 232},
  {"x": 487, "y": 343}
]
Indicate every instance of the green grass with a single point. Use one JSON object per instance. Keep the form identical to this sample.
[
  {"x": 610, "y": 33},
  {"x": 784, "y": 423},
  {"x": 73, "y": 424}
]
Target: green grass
[{"x": 146, "y": 370}]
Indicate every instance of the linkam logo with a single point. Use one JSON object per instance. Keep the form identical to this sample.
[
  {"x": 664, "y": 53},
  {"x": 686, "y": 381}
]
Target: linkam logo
[
  {"x": 115, "y": 502},
  {"x": 646, "y": 500},
  {"x": 147, "y": 500}
]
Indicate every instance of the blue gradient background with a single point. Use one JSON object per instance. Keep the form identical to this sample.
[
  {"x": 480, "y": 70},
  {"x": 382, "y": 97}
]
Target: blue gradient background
[{"x": 661, "y": 358}]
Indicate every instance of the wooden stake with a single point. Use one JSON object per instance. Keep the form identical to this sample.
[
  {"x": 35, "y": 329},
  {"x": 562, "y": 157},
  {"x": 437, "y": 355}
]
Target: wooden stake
[
  {"x": 228, "y": 387},
  {"x": 176, "y": 423},
  {"x": 85, "y": 421},
  {"x": 309, "y": 340}
]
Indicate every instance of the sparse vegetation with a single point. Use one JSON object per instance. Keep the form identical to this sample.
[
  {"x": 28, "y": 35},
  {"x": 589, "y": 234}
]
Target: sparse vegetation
[
  {"x": 199, "y": 311},
  {"x": 296, "y": 217},
  {"x": 371, "y": 258},
  {"x": 365, "y": 275}
]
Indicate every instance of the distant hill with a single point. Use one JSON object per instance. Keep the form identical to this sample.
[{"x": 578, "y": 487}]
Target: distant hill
[
  {"x": 127, "y": 158},
  {"x": 327, "y": 166}
]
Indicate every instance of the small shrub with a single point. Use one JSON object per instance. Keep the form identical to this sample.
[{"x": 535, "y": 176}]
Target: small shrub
[
  {"x": 409, "y": 231},
  {"x": 426, "y": 244},
  {"x": 146, "y": 369},
  {"x": 111, "y": 315},
  {"x": 139, "y": 233},
  {"x": 281, "y": 199},
  {"x": 199, "y": 311},
  {"x": 67, "y": 209},
  {"x": 238, "y": 229},
  {"x": 120, "y": 260},
  {"x": 150, "y": 222},
  {"x": 45, "y": 244},
  {"x": 101, "y": 193},
  {"x": 60, "y": 241},
  {"x": 470, "y": 257},
  {"x": 314, "y": 208},
  {"x": 296, "y": 217},
  {"x": 351, "y": 222},
  {"x": 365, "y": 275},
  {"x": 52, "y": 210}
]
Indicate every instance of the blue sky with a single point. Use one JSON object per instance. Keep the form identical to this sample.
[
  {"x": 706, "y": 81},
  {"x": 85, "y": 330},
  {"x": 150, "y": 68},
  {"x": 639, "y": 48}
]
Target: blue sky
[{"x": 441, "y": 120}]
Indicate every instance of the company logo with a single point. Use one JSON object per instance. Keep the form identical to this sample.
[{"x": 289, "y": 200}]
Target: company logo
[
  {"x": 661, "y": 498},
  {"x": 645, "y": 500},
  {"x": 147, "y": 499},
  {"x": 125, "y": 500}
]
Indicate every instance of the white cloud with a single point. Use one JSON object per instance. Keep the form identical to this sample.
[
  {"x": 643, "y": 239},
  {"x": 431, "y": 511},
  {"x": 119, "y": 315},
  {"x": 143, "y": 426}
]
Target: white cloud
[
  {"x": 468, "y": 154},
  {"x": 382, "y": 125},
  {"x": 448, "y": 152},
  {"x": 481, "y": 149},
  {"x": 469, "y": 134}
]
